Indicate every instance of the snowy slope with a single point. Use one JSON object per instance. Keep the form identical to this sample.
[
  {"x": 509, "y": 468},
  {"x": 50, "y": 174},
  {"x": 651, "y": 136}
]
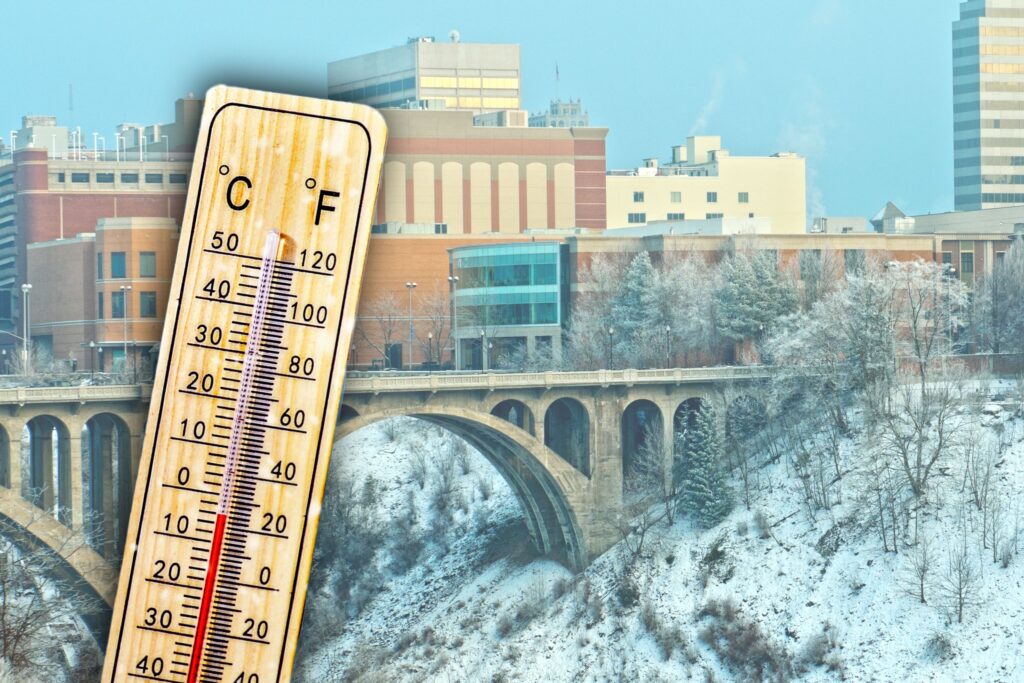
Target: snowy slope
[{"x": 852, "y": 615}]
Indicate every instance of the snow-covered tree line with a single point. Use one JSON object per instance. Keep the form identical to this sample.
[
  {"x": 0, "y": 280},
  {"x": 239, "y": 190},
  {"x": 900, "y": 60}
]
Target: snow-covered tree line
[{"x": 631, "y": 313}]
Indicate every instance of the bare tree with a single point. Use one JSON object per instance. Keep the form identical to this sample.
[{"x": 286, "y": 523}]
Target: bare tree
[
  {"x": 921, "y": 568},
  {"x": 33, "y": 603},
  {"x": 923, "y": 424},
  {"x": 435, "y": 335},
  {"x": 960, "y": 581},
  {"x": 380, "y": 321}
]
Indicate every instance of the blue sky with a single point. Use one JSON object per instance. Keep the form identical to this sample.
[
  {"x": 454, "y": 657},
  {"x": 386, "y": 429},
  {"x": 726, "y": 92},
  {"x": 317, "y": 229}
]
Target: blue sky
[{"x": 860, "y": 87}]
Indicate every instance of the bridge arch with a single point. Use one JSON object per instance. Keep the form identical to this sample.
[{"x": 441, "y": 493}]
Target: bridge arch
[
  {"x": 346, "y": 412},
  {"x": 567, "y": 432},
  {"x": 641, "y": 427},
  {"x": 518, "y": 413},
  {"x": 49, "y": 465},
  {"x": 544, "y": 484},
  {"x": 109, "y": 470}
]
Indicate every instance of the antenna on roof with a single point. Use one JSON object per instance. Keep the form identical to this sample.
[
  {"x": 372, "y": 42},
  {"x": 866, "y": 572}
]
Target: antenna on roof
[{"x": 454, "y": 35}]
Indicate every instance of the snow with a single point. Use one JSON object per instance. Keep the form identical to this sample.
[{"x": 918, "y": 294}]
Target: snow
[{"x": 454, "y": 616}]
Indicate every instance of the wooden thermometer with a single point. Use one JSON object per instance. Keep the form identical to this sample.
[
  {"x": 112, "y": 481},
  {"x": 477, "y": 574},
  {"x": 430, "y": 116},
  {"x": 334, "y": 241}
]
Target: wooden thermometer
[{"x": 247, "y": 390}]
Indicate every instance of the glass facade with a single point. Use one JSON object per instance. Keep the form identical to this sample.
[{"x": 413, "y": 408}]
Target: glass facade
[{"x": 509, "y": 284}]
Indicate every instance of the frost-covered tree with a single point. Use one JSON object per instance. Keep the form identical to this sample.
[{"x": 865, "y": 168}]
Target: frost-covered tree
[
  {"x": 753, "y": 293},
  {"x": 997, "y": 315},
  {"x": 704, "y": 491}
]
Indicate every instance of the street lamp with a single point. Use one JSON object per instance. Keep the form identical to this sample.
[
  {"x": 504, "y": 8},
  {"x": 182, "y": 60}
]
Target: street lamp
[
  {"x": 668, "y": 346},
  {"x": 483, "y": 349},
  {"x": 99, "y": 357},
  {"x": 430, "y": 348},
  {"x": 611, "y": 349},
  {"x": 25, "y": 289},
  {"x": 410, "y": 286},
  {"x": 125, "y": 289},
  {"x": 453, "y": 280}
]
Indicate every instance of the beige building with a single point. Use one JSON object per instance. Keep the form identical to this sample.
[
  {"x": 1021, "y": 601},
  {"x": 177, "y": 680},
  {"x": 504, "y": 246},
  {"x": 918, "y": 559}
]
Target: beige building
[
  {"x": 705, "y": 182},
  {"x": 426, "y": 74},
  {"x": 442, "y": 170}
]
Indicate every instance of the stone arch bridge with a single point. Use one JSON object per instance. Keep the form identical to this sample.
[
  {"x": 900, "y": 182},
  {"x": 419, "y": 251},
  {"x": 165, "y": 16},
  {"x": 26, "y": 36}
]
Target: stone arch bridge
[
  {"x": 69, "y": 455},
  {"x": 562, "y": 440}
]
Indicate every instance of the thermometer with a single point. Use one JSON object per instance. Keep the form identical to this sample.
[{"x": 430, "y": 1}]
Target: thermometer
[{"x": 246, "y": 392}]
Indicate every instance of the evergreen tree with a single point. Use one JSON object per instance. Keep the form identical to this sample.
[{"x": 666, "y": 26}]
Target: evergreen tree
[
  {"x": 705, "y": 494},
  {"x": 753, "y": 295},
  {"x": 631, "y": 311}
]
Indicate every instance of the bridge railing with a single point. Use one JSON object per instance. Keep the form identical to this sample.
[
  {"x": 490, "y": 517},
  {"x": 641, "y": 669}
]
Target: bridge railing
[
  {"x": 387, "y": 382},
  {"x": 81, "y": 394}
]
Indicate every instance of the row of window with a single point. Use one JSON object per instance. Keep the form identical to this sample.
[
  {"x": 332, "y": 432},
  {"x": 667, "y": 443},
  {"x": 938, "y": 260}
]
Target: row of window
[
  {"x": 971, "y": 162},
  {"x": 677, "y": 197},
  {"x": 988, "y": 86},
  {"x": 376, "y": 90},
  {"x": 147, "y": 305},
  {"x": 119, "y": 264},
  {"x": 640, "y": 218},
  {"x": 128, "y": 178}
]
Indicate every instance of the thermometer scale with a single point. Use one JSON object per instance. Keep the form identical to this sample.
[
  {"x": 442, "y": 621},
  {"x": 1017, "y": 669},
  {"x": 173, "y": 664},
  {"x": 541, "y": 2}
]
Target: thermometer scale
[{"x": 246, "y": 393}]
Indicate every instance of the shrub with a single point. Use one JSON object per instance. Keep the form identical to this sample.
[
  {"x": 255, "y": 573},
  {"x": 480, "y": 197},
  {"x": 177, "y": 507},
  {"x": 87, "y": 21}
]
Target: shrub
[{"x": 741, "y": 645}]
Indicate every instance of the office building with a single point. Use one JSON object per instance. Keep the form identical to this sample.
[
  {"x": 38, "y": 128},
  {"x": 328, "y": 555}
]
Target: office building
[
  {"x": 510, "y": 301},
  {"x": 101, "y": 294},
  {"x": 704, "y": 182},
  {"x": 988, "y": 104},
  {"x": 428, "y": 74}
]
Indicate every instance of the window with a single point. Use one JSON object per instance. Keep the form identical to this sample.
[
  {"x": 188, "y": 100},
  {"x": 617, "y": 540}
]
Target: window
[
  {"x": 61, "y": 177},
  {"x": 79, "y": 177},
  {"x": 147, "y": 264},
  {"x": 638, "y": 197},
  {"x": 104, "y": 177},
  {"x": 947, "y": 258},
  {"x": 147, "y": 304},
  {"x": 712, "y": 197},
  {"x": 1000, "y": 256},
  {"x": 129, "y": 177},
  {"x": 99, "y": 305},
  {"x": 179, "y": 178},
  {"x": 637, "y": 218},
  {"x": 744, "y": 197},
  {"x": 155, "y": 178},
  {"x": 117, "y": 304},
  {"x": 966, "y": 265},
  {"x": 676, "y": 217},
  {"x": 709, "y": 216},
  {"x": 99, "y": 265},
  {"x": 117, "y": 264},
  {"x": 676, "y": 197},
  {"x": 6, "y": 309}
]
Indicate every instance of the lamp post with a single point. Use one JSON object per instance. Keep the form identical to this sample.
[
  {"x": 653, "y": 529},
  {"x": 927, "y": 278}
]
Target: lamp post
[
  {"x": 92, "y": 358},
  {"x": 4, "y": 355},
  {"x": 668, "y": 346},
  {"x": 611, "y": 348},
  {"x": 453, "y": 280},
  {"x": 25, "y": 289},
  {"x": 99, "y": 357},
  {"x": 430, "y": 348},
  {"x": 410, "y": 286},
  {"x": 483, "y": 349},
  {"x": 125, "y": 289}
]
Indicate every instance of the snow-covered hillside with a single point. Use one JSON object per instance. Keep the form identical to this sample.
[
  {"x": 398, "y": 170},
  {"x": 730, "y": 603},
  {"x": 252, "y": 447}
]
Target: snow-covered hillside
[{"x": 775, "y": 592}]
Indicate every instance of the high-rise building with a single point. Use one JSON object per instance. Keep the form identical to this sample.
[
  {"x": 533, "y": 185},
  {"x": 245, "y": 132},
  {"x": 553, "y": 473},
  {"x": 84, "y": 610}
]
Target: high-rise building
[
  {"x": 426, "y": 74},
  {"x": 988, "y": 104}
]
